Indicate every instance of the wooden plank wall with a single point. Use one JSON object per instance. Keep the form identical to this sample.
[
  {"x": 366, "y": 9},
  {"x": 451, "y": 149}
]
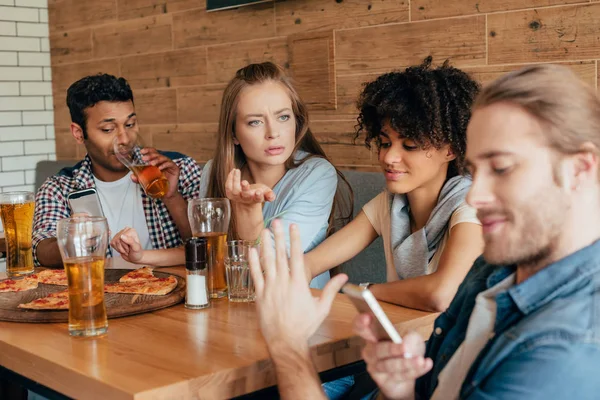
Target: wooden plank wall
[{"x": 178, "y": 57}]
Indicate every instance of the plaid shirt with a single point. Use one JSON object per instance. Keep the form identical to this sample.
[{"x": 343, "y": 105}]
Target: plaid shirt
[{"x": 51, "y": 203}]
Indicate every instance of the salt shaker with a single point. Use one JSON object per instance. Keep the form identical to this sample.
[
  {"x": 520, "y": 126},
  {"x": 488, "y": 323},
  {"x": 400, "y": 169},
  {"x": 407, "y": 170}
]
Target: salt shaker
[{"x": 196, "y": 265}]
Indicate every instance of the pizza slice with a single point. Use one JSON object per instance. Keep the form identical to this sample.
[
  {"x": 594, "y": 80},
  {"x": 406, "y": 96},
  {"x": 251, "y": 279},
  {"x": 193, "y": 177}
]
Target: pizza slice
[
  {"x": 154, "y": 286},
  {"x": 11, "y": 285},
  {"x": 53, "y": 277},
  {"x": 54, "y": 301},
  {"x": 144, "y": 273}
]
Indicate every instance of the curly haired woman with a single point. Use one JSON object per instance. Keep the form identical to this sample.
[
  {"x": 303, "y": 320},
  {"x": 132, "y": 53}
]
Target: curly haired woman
[{"x": 417, "y": 119}]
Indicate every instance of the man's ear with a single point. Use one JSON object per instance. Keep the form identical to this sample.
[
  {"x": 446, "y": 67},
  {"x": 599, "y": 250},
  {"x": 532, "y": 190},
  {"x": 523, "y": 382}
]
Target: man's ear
[
  {"x": 77, "y": 133},
  {"x": 585, "y": 165}
]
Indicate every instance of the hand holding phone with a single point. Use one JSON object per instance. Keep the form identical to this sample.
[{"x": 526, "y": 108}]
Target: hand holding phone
[
  {"x": 85, "y": 201},
  {"x": 366, "y": 303}
]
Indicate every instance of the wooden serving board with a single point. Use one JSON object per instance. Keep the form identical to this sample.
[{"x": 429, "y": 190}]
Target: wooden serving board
[{"x": 117, "y": 304}]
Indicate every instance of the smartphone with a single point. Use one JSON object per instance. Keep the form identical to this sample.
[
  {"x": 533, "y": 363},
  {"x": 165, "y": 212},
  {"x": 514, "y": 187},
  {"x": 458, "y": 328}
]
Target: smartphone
[
  {"x": 86, "y": 201},
  {"x": 366, "y": 303}
]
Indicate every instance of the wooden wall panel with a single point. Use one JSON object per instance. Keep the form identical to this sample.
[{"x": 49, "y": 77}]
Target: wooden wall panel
[
  {"x": 64, "y": 75},
  {"x": 178, "y": 57},
  {"x": 200, "y": 103},
  {"x": 71, "y": 14},
  {"x": 310, "y": 15},
  {"x": 348, "y": 90},
  {"x": 170, "y": 69},
  {"x": 429, "y": 9},
  {"x": 225, "y": 60},
  {"x": 387, "y": 47},
  {"x": 144, "y": 35},
  {"x": 132, "y": 9},
  {"x": 335, "y": 132},
  {"x": 66, "y": 147},
  {"x": 313, "y": 68},
  {"x": 561, "y": 33},
  {"x": 586, "y": 70},
  {"x": 156, "y": 106},
  {"x": 194, "y": 140},
  {"x": 199, "y": 28},
  {"x": 71, "y": 47}
]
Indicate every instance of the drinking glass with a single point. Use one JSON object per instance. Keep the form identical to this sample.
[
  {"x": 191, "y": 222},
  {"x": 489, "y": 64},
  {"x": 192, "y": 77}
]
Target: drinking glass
[
  {"x": 82, "y": 242},
  {"x": 239, "y": 280},
  {"x": 16, "y": 211},
  {"x": 209, "y": 218},
  {"x": 153, "y": 181}
]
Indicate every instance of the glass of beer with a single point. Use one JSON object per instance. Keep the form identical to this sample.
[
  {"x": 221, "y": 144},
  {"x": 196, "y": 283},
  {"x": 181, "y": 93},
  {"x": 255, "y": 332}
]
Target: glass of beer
[
  {"x": 153, "y": 181},
  {"x": 16, "y": 211},
  {"x": 82, "y": 242},
  {"x": 240, "y": 287},
  {"x": 209, "y": 218}
]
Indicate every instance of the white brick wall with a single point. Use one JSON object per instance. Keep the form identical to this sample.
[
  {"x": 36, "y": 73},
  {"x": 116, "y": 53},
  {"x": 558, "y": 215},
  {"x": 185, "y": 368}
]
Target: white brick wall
[{"x": 26, "y": 106}]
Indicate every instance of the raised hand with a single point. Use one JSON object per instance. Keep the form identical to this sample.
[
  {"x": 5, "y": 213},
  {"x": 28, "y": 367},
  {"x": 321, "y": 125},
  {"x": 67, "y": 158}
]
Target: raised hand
[
  {"x": 242, "y": 192},
  {"x": 394, "y": 367},
  {"x": 288, "y": 312}
]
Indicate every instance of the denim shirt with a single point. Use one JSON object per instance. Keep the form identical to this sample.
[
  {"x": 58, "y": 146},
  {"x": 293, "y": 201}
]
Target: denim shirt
[{"x": 546, "y": 334}]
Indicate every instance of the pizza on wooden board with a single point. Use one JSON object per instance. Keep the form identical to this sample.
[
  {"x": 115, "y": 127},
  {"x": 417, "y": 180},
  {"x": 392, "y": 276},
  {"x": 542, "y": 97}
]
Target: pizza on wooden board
[
  {"x": 139, "y": 281},
  {"x": 144, "y": 273},
  {"x": 12, "y": 285},
  {"x": 53, "y": 277},
  {"x": 54, "y": 301},
  {"x": 154, "y": 286}
]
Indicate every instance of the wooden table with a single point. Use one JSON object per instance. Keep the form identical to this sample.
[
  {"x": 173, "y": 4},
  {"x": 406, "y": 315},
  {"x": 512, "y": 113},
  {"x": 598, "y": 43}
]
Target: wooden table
[
  {"x": 177, "y": 353},
  {"x": 2, "y": 243}
]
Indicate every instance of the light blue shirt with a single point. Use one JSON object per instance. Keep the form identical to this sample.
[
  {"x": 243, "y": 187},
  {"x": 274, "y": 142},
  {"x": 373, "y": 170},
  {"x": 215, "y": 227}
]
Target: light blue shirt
[{"x": 306, "y": 195}]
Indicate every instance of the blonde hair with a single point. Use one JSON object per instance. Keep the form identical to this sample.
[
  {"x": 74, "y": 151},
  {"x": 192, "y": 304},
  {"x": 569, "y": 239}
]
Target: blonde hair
[
  {"x": 567, "y": 107},
  {"x": 229, "y": 156}
]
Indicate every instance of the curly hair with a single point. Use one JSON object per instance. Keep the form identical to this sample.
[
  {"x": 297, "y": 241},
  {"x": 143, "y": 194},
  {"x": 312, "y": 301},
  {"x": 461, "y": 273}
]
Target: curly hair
[
  {"x": 93, "y": 89},
  {"x": 430, "y": 106}
]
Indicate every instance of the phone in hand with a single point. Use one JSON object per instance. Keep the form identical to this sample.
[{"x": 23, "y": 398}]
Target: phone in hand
[
  {"x": 366, "y": 303},
  {"x": 86, "y": 201}
]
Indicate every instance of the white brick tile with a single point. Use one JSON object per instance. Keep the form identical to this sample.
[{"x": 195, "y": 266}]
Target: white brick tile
[
  {"x": 32, "y": 30},
  {"x": 32, "y": 3},
  {"x": 21, "y": 162},
  {"x": 47, "y": 74},
  {"x": 45, "y": 44},
  {"x": 8, "y": 58},
  {"x": 43, "y": 15},
  {"x": 36, "y": 88},
  {"x": 7, "y": 3},
  {"x": 8, "y": 28},
  {"x": 10, "y": 118},
  {"x": 39, "y": 147},
  {"x": 11, "y": 149},
  {"x": 52, "y": 157},
  {"x": 34, "y": 59},
  {"x": 30, "y": 177},
  {"x": 49, "y": 103},
  {"x": 22, "y": 133},
  {"x": 9, "y": 88},
  {"x": 19, "y": 14},
  {"x": 21, "y": 73},
  {"x": 23, "y": 188},
  {"x": 50, "y": 132},
  {"x": 38, "y": 117},
  {"x": 13, "y": 178},
  {"x": 19, "y": 43},
  {"x": 21, "y": 103}
]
